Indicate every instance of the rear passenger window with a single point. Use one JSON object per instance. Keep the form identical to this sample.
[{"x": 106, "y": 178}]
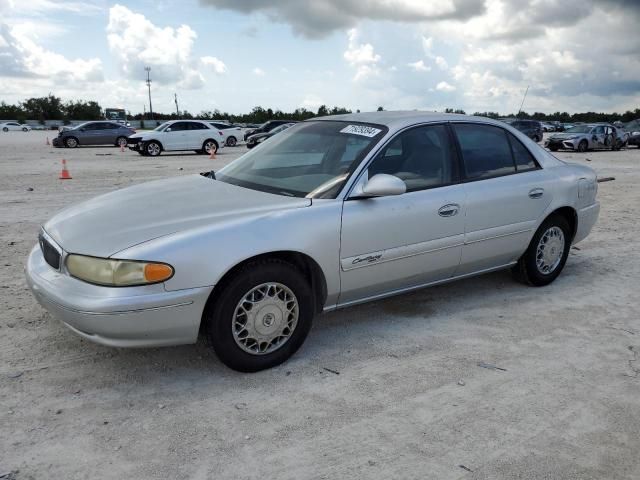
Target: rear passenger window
[
  {"x": 485, "y": 150},
  {"x": 523, "y": 158}
]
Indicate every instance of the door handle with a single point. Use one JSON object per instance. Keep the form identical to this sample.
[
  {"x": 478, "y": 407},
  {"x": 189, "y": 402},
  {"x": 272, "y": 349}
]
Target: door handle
[
  {"x": 449, "y": 210},
  {"x": 536, "y": 193}
]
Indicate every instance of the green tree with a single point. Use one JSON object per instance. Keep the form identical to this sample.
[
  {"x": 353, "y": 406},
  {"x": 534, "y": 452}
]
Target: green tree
[{"x": 43, "y": 108}]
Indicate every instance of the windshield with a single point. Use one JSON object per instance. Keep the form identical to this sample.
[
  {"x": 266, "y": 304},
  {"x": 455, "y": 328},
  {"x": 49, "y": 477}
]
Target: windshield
[
  {"x": 310, "y": 159},
  {"x": 579, "y": 129},
  {"x": 279, "y": 129},
  {"x": 160, "y": 127}
]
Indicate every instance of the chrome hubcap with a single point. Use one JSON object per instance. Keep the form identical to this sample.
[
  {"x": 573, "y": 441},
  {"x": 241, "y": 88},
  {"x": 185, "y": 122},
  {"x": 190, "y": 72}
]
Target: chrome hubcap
[
  {"x": 550, "y": 250},
  {"x": 265, "y": 318}
]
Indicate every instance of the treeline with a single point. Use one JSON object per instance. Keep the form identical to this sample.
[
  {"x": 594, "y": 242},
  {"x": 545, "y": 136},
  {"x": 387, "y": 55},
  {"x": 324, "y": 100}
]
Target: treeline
[
  {"x": 256, "y": 115},
  {"x": 586, "y": 117},
  {"x": 53, "y": 108}
]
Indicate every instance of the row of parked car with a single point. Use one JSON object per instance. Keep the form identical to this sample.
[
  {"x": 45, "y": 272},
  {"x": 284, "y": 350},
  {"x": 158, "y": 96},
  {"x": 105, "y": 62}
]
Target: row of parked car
[{"x": 200, "y": 136}]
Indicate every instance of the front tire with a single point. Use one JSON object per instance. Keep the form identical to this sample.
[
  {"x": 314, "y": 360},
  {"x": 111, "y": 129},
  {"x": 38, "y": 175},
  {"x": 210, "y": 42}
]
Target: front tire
[
  {"x": 71, "y": 142},
  {"x": 261, "y": 317},
  {"x": 582, "y": 146},
  {"x": 153, "y": 148},
  {"x": 547, "y": 253},
  {"x": 25, "y": 129}
]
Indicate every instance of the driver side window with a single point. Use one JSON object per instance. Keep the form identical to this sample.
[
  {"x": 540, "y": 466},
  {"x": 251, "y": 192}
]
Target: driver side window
[{"x": 421, "y": 157}]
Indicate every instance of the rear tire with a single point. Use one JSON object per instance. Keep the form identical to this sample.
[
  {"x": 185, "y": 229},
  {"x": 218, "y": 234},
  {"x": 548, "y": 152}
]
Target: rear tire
[
  {"x": 283, "y": 303},
  {"x": 208, "y": 145},
  {"x": 121, "y": 142},
  {"x": 231, "y": 142},
  {"x": 547, "y": 253},
  {"x": 5, "y": 129}
]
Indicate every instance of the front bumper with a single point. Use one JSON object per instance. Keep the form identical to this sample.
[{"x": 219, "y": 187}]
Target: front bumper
[
  {"x": 57, "y": 142},
  {"x": 146, "y": 316},
  {"x": 560, "y": 144}
]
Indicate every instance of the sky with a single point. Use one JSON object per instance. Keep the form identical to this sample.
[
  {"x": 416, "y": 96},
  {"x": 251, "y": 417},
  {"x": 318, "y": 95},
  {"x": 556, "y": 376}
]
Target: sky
[{"x": 232, "y": 55}]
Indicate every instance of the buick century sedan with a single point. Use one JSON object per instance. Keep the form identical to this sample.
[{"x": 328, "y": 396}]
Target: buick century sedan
[{"x": 330, "y": 213}]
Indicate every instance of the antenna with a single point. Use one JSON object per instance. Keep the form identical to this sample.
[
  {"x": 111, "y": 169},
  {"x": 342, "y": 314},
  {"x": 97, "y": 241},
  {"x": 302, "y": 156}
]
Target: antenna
[{"x": 525, "y": 96}]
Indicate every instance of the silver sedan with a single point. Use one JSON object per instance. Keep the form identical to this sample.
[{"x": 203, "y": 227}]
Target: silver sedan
[{"x": 330, "y": 213}]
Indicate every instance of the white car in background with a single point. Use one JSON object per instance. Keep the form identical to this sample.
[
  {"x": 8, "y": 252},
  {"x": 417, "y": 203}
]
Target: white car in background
[
  {"x": 177, "y": 135},
  {"x": 15, "y": 126},
  {"x": 232, "y": 133}
]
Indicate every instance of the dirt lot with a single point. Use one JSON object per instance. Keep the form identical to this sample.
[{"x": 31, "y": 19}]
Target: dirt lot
[{"x": 387, "y": 390}]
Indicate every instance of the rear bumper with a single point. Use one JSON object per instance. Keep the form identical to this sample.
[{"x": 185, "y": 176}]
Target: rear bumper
[
  {"x": 117, "y": 317},
  {"x": 587, "y": 218}
]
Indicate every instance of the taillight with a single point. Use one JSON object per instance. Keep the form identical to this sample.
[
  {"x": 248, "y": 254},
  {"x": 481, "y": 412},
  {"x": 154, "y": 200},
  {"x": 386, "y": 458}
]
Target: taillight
[{"x": 221, "y": 134}]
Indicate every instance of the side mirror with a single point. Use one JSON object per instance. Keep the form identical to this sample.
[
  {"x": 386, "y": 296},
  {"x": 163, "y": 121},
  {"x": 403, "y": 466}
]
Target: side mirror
[
  {"x": 381, "y": 185},
  {"x": 168, "y": 129}
]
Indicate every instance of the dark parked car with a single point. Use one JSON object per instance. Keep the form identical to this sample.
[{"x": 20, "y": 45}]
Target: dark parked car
[
  {"x": 94, "y": 133},
  {"x": 267, "y": 127},
  {"x": 258, "y": 138},
  {"x": 531, "y": 128}
]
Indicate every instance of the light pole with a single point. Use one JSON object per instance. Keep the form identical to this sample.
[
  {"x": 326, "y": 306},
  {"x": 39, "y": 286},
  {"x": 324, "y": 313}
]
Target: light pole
[
  {"x": 175, "y": 98},
  {"x": 148, "y": 70}
]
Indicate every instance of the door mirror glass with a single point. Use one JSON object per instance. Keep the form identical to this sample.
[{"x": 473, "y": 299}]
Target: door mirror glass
[
  {"x": 382, "y": 185},
  {"x": 168, "y": 129}
]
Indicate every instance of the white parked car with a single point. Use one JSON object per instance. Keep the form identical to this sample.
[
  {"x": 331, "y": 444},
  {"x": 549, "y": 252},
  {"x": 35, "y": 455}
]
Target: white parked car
[
  {"x": 177, "y": 135},
  {"x": 232, "y": 133},
  {"x": 9, "y": 126}
]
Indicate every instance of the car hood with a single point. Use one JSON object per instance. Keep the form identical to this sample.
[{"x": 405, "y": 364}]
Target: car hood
[{"x": 118, "y": 220}]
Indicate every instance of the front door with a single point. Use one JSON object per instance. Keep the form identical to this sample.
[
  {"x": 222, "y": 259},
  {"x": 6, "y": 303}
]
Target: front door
[
  {"x": 397, "y": 242},
  {"x": 174, "y": 136}
]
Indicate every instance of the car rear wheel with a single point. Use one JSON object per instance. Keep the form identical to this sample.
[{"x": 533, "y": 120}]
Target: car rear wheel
[
  {"x": 153, "y": 149},
  {"x": 71, "y": 142},
  {"x": 261, "y": 317},
  {"x": 5, "y": 129},
  {"x": 209, "y": 145},
  {"x": 547, "y": 253},
  {"x": 582, "y": 146},
  {"x": 537, "y": 138},
  {"x": 231, "y": 141},
  {"x": 121, "y": 141}
]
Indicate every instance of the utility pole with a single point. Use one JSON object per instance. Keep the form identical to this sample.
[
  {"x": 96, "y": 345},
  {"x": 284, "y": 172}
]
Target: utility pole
[
  {"x": 148, "y": 70},
  {"x": 175, "y": 98}
]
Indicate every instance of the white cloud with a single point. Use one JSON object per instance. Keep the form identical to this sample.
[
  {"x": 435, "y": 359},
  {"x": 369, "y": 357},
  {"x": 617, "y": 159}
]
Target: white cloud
[
  {"x": 445, "y": 87},
  {"x": 258, "y": 72},
  {"x": 419, "y": 66},
  {"x": 441, "y": 63},
  {"x": 361, "y": 56},
  {"x": 21, "y": 56},
  {"x": 427, "y": 45},
  {"x": 136, "y": 42},
  {"x": 216, "y": 64}
]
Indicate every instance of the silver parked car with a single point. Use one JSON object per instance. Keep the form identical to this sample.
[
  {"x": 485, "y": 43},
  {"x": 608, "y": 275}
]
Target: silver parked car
[
  {"x": 329, "y": 213},
  {"x": 94, "y": 133},
  {"x": 588, "y": 137}
]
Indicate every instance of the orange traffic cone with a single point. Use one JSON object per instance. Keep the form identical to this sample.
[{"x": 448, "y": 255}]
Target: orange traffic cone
[
  {"x": 212, "y": 154},
  {"x": 48, "y": 143},
  {"x": 64, "y": 174}
]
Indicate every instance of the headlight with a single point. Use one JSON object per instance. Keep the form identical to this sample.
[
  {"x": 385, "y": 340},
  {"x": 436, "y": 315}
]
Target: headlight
[{"x": 117, "y": 273}]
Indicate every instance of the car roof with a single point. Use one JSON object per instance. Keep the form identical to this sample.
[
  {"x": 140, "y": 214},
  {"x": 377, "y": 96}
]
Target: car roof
[{"x": 399, "y": 119}]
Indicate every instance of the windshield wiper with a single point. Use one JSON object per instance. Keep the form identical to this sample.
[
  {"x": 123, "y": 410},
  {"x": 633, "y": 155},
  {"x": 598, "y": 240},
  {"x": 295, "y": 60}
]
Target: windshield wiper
[{"x": 211, "y": 174}]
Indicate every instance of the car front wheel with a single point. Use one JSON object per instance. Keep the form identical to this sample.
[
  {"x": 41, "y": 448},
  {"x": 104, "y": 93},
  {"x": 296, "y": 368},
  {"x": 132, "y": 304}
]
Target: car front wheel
[
  {"x": 582, "y": 146},
  {"x": 547, "y": 253},
  {"x": 71, "y": 142},
  {"x": 25, "y": 129},
  {"x": 153, "y": 149},
  {"x": 261, "y": 317}
]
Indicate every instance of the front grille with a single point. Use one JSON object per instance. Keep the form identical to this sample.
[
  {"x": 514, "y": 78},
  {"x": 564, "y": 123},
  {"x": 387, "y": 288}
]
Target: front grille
[{"x": 51, "y": 255}]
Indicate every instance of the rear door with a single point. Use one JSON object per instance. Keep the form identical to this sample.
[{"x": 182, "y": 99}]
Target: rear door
[
  {"x": 398, "y": 242},
  {"x": 506, "y": 192},
  {"x": 199, "y": 132}
]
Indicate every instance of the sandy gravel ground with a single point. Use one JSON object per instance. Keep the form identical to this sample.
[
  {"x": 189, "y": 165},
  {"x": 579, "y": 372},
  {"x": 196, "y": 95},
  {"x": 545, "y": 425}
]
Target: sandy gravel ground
[{"x": 391, "y": 389}]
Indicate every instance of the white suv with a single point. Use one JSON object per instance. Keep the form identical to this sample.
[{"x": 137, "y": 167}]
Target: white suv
[{"x": 177, "y": 135}]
